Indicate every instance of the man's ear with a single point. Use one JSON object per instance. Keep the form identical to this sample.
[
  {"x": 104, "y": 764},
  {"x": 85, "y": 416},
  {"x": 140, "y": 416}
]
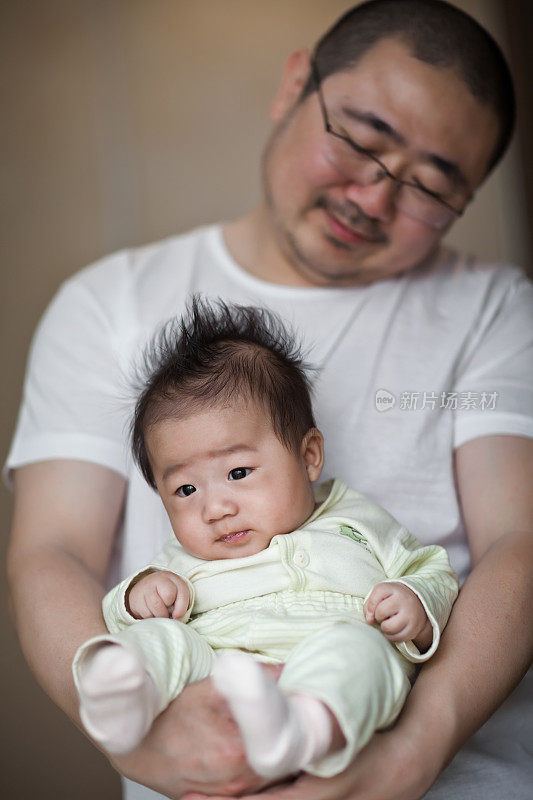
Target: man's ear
[
  {"x": 313, "y": 453},
  {"x": 295, "y": 75}
]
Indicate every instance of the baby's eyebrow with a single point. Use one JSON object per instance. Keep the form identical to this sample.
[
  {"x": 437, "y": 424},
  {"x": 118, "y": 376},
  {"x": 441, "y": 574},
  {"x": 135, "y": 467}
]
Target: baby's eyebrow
[{"x": 220, "y": 451}]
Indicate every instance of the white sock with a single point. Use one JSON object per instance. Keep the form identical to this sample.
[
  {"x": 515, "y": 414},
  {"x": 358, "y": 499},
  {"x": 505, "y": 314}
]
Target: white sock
[
  {"x": 118, "y": 699},
  {"x": 282, "y": 734}
]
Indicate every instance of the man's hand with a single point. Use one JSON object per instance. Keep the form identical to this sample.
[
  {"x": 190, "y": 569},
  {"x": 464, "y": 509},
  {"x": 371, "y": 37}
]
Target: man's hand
[
  {"x": 160, "y": 594},
  {"x": 388, "y": 768},
  {"x": 399, "y": 613},
  {"x": 193, "y": 746}
]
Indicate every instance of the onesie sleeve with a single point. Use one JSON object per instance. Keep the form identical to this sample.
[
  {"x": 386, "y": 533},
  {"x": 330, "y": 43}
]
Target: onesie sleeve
[
  {"x": 427, "y": 572},
  {"x": 116, "y": 614}
]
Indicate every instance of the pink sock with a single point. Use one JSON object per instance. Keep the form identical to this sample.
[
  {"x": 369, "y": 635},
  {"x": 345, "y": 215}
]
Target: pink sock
[
  {"x": 118, "y": 699},
  {"x": 282, "y": 734}
]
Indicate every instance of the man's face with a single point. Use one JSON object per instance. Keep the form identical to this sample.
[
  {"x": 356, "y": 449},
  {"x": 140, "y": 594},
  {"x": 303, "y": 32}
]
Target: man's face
[
  {"x": 422, "y": 122},
  {"x": 227, "y": 483}
]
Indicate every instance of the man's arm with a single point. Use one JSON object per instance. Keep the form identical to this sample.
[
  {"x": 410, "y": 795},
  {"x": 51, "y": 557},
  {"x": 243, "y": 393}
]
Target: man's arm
[
  {"x": 65, "y": 520},
  {"x": 485, "y": 649},
  {"x": 488, "y": 644},
  {"x": 65, "y": 517}
]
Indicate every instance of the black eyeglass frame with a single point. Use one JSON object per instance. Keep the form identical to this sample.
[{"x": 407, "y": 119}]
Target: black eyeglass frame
[{"x": 363, "y": 151}]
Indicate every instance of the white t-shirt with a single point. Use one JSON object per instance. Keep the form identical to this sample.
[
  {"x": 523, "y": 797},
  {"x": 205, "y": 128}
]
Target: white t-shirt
[
  {"x": 451, "y": 332},
  {"x": 453, "y": 327}
]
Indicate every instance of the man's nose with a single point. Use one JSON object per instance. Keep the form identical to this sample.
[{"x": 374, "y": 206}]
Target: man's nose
[
  {"x": 218, "y": 504},
  {"x": 376, "y": 200}
]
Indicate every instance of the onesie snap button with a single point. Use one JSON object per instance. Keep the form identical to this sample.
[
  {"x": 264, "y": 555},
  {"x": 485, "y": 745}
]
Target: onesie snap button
[{"x": 301, "y": 558}]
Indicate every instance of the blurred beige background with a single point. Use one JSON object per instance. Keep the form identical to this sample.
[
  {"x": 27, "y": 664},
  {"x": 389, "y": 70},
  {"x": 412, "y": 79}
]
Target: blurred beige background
[{"x": 125, "y": 121}]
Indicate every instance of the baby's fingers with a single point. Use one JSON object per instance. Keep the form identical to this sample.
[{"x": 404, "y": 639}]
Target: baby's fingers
[
  {"x": 138, "y": 607},
  {"x": 158, "y": 607},
  {"x": 179, "y": 608},
  {"x": 394, "y": 627},
  {"x": 167, "y": 591},
  {"x": 387, "y": 608},
  {"x": 379, "y": 593}
]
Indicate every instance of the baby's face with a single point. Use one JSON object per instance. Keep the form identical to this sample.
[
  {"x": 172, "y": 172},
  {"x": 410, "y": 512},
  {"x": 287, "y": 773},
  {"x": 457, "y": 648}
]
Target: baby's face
[{"x": 228, "y": 484}]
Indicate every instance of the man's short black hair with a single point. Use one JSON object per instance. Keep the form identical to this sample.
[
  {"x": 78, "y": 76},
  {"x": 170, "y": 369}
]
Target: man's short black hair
[
  {"x": 437, "y": 33},
  {"x": 218, "y": 355}
]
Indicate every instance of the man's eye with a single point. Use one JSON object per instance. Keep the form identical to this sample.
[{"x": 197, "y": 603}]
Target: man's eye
[
  {"x": 425, "y": 189},
  {"x": 239, "y": 473},
  {"x": 348, "y": 144},
  {"x": 357, "y": 148},
  {"x": 185, "y": 490}
]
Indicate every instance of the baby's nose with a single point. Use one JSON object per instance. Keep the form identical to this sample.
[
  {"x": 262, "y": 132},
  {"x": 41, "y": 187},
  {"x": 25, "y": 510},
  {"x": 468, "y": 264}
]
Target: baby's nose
[{"x": 218, "y": 505}]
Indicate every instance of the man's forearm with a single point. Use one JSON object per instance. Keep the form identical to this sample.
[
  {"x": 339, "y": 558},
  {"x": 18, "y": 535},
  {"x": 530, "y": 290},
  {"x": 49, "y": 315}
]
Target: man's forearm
[
  {"x": 55, "y": 604},
  {"x": 485, "y": 650}
]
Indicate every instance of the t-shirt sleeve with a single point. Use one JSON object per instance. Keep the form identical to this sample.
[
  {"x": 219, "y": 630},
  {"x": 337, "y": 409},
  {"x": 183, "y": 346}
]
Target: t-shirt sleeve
[
  {"x": 75, "y": 399},
  {"x": 494, "y": 379}
]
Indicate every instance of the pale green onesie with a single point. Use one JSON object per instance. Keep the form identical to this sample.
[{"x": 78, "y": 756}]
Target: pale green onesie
[{"x": 300, "y": 602}]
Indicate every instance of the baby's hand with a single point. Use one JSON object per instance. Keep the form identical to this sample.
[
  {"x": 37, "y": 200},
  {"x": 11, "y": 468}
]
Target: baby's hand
[
  {"x": 399, "y": 613},
  {"x": 160, "y": 594}
]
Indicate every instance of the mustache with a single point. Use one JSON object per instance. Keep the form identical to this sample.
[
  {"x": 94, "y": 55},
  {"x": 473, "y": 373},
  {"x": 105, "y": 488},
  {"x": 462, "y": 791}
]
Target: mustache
[{"x": 351, "y": 215}]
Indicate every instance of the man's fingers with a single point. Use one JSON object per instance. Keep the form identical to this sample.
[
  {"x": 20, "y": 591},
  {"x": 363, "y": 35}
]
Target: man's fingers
[
  {"x": 305, "y": 787},
  {"x": 273, "y": 794},
  {"x": 196, "y": 796}
]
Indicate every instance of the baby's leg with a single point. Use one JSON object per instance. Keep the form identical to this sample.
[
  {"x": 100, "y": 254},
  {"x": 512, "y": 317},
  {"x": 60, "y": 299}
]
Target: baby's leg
[
  {"x": 358, "y": 675},
  {"x": 118, "y": 698},
  {"x": 281, "y": 733},
  {"x": 348, "y": 672},
  {"x": 125, "y": 680}
]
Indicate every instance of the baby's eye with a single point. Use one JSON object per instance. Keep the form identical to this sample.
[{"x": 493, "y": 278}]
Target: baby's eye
[
  {"x": 185, "y": 490},
  {"x": 238, "y": 473}
]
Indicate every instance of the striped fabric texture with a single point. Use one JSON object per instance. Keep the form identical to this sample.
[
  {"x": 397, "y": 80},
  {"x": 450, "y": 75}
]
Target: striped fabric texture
[{"x": 299, "y": 602}]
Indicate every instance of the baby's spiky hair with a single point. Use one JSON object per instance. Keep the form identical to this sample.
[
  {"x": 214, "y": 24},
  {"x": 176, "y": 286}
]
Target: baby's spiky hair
[{"x": 218, "y": 355}]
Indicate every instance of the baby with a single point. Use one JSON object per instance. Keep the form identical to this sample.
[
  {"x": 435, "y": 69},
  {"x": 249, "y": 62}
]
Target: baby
[{"x": 261, "y": 566}]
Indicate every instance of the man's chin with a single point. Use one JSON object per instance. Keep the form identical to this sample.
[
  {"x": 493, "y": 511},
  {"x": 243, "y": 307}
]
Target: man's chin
[
  {"x": 333, "y": 263},
  {"x": 341, "y": 277}
]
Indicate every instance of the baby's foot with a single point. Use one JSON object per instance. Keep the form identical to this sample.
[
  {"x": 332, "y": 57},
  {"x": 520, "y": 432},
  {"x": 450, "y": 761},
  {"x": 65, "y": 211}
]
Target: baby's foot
[
  {"x": 282, "y": 734},
  {"x": 118, "y": 699}
]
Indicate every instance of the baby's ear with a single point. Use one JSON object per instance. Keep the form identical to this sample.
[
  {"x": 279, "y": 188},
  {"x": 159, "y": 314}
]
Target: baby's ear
[{"x": 313, "y": 453}]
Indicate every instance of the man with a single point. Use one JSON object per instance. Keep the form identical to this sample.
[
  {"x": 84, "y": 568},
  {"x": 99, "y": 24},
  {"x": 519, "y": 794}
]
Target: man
[{"x": 379, "y": 143}]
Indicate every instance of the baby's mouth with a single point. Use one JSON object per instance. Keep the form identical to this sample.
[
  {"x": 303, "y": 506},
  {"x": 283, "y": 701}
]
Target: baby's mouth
[{"x": 233, "y": 537}]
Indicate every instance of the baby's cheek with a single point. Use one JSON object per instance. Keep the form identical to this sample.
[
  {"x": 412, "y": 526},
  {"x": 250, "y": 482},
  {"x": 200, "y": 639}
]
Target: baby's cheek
[
  {"x": 187, "y": 531},
  {"x": 271, "y": 518}
]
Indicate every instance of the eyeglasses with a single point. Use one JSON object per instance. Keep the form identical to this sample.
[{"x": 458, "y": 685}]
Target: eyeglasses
[{"x": 411, "y": 198}]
